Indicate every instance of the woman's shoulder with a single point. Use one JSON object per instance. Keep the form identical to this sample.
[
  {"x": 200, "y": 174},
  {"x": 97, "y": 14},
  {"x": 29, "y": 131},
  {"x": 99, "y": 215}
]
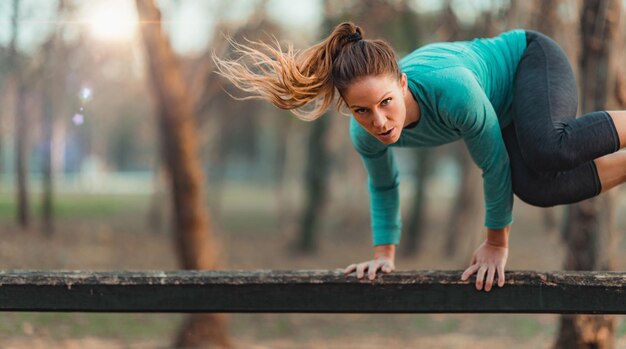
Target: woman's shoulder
[
  {"x": 451, "y": 53},
  {"x": 449, "y": 91},
  {"x": 434, "y": 55},
  {"x": 443, "y": 80}
]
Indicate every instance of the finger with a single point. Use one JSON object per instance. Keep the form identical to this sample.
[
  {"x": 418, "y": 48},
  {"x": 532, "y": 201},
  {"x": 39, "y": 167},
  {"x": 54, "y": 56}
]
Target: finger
[
  {"x": 491, "y": 272},
  {"x": 349, "y": 269},
  {"x": 500, "y": 276},
  {"x": 360, "y": 270},
  {"x": 480, "y": 276},
  {"x": 387, "y": 267},
  {"x": 469, "y": 271},
  {"x": 373, "y": 267}
]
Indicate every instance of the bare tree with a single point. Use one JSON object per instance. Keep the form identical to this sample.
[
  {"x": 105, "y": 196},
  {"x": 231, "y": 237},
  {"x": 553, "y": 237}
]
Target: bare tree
[
  {"x": 196, "y": 248},
  {"x": 49, "y": 101},
  {"x": 317, "y": 169},
  {"x": 17, "y": 82},
  {"x": 589, "y": 229},
  {"x": 53, "y": 67},
  {"x": 416, "y": 221},
  {"x": 465, "y": 222},
  {"x": 463, "y": 219},
  {"x": 316, "y": 184}
]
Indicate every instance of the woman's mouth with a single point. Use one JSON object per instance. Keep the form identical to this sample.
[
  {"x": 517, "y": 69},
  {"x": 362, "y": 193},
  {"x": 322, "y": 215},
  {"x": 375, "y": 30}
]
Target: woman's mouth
[{"x": 386, "y": 137}]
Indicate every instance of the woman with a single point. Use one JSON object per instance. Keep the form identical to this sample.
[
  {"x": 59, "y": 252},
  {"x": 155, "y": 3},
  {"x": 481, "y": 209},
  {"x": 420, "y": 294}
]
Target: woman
[{"x": 511, "y": 98}]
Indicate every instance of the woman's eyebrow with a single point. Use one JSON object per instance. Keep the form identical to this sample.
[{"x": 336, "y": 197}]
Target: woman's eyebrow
[{"x": 380, "y": 100}]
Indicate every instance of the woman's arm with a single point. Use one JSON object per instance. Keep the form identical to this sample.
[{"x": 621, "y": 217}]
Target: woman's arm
[
  {"x": 471, "y": 112},
  {"x": 383, "y": 186},
  {"x": 468, "y": 109}
]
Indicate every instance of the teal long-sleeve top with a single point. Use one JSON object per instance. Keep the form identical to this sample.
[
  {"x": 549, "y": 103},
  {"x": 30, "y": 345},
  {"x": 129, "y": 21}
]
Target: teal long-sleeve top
[{"x": 464, "y": 91}]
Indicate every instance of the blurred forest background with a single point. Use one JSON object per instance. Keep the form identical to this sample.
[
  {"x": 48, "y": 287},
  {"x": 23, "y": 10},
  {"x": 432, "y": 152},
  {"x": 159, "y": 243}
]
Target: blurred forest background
[{"x": 120, "y": 149}]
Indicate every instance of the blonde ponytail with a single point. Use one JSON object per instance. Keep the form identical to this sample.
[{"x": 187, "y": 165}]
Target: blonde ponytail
[{"x": 305, "y": 82}]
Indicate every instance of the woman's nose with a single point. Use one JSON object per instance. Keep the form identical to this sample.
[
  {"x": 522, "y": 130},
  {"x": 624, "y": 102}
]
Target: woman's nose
[{"x": 379, "y": 119}]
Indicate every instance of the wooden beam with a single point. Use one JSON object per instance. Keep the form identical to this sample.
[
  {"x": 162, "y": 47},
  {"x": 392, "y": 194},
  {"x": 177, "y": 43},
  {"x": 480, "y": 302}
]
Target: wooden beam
[{"x": 309, "y": 291}]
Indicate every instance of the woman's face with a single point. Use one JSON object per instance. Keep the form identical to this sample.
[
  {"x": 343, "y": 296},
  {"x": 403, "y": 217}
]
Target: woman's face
[{"x": 378, "y": 104}]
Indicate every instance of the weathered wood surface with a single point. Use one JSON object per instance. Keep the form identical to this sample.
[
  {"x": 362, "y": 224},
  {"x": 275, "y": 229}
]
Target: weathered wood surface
[{"x": 317, "y": 291}]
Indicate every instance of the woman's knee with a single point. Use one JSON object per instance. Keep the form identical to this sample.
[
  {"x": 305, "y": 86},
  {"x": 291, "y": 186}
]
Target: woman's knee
[
  {"x": 534, "y": 193},
  {"x": 536, "y": 198}
]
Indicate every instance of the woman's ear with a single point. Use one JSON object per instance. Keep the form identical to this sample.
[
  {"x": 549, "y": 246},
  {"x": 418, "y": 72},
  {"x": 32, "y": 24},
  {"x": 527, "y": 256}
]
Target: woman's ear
[{"x": 404, "y": 83}]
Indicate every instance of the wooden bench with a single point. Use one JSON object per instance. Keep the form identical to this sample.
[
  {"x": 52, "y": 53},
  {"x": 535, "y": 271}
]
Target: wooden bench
[{"x": 309, "y": 291}]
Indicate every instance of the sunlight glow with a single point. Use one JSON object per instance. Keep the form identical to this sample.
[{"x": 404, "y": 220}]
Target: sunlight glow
[{"x": 113, "y": 20}]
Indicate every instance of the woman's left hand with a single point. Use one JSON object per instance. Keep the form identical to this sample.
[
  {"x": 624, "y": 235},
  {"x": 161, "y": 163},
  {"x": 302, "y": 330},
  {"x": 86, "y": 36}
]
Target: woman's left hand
[{"x": 488, "y": 259}]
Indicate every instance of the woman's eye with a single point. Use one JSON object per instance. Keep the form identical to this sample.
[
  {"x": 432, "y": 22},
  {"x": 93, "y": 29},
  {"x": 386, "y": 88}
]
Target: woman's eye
[
  {"x": 386, "y": 101},
  {"x": 360, "y": 111}
]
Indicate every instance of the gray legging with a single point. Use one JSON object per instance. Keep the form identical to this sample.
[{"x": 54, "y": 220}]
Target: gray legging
[{"x": 551, "y": 151}]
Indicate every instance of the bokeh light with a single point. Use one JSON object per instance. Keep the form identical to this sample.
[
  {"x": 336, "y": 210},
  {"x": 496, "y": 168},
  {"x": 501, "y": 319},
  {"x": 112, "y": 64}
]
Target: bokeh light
[
  {"x": 113, "y": 20},
  {"x": 85, "y": 94},
  {"x": 78, "y": 119}
]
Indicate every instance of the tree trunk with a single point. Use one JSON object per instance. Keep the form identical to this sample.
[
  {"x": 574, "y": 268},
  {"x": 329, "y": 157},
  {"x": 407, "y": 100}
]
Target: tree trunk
[
  {"x": 48, "y": 109},
  {"x": 318, "y": 165},
  {"x": 588, "y": 234},
  {"x": 416, "y": 221},
  {"x": 21, "y": 122},
  {"x": 464, "y": 220},
  {"x": 3, "y": 92},
  {"x": 54, "y": 69},
  {"x": 21, "y": 163},
  {"x": 157, "y": 206},
  {"x": 546, "y": 17},
  {"x": 196, "y": 248},
  {"x": 281, "y": 183},
  {"x": 588, "y": 231},
  {"x": 316, "y": 184}
]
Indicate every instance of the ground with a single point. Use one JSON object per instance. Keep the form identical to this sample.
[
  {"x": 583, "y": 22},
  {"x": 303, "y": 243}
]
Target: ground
[{"x": 110, "y": 232}]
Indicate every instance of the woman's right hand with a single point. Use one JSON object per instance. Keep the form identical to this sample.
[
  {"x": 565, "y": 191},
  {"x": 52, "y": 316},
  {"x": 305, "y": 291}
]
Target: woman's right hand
[{"x": 384, "y": 256}]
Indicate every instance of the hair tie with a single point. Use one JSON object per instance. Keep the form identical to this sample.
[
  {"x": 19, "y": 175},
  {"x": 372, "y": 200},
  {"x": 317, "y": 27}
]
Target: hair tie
[{"x": 354, "y": 37}]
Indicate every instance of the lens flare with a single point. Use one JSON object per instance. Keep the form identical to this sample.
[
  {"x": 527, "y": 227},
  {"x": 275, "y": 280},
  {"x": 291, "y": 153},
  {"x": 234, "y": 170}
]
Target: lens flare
[
  {"x": 85, "y": 94},
  {"x": 78, "y": 119}
]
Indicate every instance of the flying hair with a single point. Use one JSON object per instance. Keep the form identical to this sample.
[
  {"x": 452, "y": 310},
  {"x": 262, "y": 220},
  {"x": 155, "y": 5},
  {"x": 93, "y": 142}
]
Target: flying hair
[{"x": 306, "y": 82}]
